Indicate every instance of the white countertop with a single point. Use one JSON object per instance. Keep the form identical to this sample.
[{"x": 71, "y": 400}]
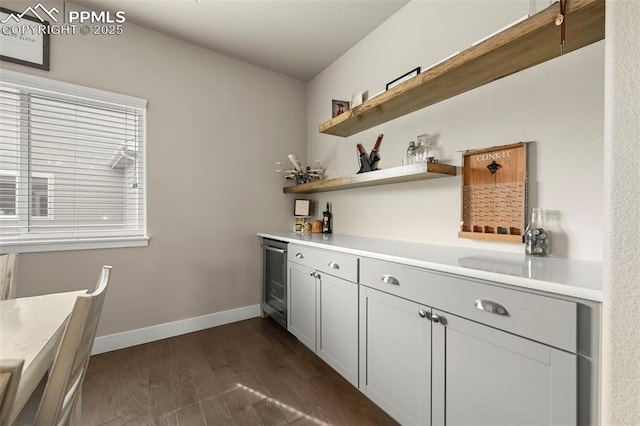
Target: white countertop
[{"x": 575, "y": 278}]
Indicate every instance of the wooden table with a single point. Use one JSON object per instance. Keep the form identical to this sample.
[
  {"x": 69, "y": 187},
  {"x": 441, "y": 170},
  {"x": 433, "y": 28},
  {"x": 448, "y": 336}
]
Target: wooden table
[{"x": 30, "y": 329}]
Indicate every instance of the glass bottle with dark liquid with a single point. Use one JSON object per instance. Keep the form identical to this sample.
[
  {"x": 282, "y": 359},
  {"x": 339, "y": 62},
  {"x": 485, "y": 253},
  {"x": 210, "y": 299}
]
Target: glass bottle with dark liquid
[{"x": 326, "y": 220}]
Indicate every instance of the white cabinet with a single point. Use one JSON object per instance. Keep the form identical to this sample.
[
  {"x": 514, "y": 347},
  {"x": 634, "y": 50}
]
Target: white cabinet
[
  {"x": 337, "y": 325},
  {"x": 323, "y": 306},
  {"x": 542, "y": 318},
  {"x": 473, "y": 371},
  {"x": 484, "y": 376},
  {"x": 301, "y": 310},
  {"x": 432, "y": 348},
  {"x": 395, "y": 356}
]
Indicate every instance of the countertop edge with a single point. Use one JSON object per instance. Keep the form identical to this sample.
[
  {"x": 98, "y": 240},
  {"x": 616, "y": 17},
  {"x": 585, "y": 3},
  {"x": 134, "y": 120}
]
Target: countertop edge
[{"x": 557, "y": 288}]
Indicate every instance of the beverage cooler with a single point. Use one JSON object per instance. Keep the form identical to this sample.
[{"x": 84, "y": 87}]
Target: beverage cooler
[{"x": 274, "y": 288}]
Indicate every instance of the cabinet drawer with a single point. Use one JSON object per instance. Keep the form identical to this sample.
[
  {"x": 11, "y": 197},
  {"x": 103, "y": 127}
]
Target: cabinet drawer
[
  {"x": 302, "y": 255},
  {"x": 333, "y": 263},
  {"x": 541, "y": 318}
]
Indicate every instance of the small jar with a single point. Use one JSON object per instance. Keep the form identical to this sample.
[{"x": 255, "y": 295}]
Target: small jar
[
  {"x": 425, "y": 142},
  {"x": 536, "y": 237}
]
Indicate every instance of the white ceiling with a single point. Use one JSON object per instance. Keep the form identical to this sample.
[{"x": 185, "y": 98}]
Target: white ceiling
[{"x": 298, "y": 38}]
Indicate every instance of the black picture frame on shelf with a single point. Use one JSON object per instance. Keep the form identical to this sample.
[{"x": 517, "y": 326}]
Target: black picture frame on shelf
[
  {"x": 24, "y": 46},
  {"x": 414, "y": 72}
]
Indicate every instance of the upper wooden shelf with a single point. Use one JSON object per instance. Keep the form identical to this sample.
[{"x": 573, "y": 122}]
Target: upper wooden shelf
[
  {"x": 408, "y": 173},
  {"x": 528, "y": 43}
]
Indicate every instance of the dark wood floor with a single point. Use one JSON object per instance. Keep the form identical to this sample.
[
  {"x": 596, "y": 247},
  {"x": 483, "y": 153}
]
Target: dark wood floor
[{"x": 247, "y": 373}]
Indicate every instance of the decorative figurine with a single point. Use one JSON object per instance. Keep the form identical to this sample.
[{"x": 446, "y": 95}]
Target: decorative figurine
[{"x": 300, "y": 174}]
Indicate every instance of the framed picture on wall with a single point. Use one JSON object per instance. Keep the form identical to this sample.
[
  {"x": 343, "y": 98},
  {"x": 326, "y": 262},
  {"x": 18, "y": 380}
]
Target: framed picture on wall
[{"x": 24, "y": 39}]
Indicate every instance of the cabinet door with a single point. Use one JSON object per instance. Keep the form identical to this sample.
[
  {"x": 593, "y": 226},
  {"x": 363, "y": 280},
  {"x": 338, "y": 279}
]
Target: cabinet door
[
  {"x": 338, "y": 325},
  {"x": 301, "y": 303},
  {"x": 484, "y": 376},
  {"x": 395, "y": 356}
]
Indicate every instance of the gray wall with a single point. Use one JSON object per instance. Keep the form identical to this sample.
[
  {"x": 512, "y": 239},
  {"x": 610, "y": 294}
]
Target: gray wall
[
  {"x": 216, "y": 127},
  {"x": 558, "y": 105}
]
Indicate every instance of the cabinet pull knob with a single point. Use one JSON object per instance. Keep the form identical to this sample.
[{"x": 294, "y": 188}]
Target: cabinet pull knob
[
  {"x": 313, "y": 274},
  {"x": 299, "y": 255},
  {"x": 334, "y": 265},
  {"x": 436, "y": 318},
  {"x": 491, "y": 307},
  {"x": 424, "y": 314},
  {"x": 390, "y": 280}
]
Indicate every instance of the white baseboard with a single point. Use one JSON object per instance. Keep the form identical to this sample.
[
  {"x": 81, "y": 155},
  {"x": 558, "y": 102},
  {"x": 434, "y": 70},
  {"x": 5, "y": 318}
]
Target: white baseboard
[{"x": 126, "y": 339}]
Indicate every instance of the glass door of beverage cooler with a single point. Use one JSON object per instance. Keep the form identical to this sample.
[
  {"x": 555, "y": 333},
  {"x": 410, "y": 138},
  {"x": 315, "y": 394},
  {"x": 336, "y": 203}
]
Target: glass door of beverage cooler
[{"x": 275, "y": 280}]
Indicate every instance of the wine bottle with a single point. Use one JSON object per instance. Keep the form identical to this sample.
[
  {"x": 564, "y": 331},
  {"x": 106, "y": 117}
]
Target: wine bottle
[
  {"x": 374, "y": 157},
  {"x": 326, "y": 220},
  {"x": 364, "y": 161}
]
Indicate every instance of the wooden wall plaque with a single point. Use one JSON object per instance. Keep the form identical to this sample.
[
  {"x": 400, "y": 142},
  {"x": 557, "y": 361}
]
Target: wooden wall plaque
[{"x": 494, "y": 193}]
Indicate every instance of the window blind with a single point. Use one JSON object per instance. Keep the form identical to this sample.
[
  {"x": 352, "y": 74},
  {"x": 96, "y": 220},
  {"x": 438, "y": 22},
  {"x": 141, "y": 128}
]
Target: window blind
[{"x": 71, "y": 163}]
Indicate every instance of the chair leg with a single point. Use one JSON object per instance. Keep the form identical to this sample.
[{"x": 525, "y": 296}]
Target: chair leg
[{"x": 76, "y": 415}]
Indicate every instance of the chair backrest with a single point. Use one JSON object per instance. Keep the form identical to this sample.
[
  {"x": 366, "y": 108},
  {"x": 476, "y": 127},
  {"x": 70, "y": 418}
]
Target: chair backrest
[
  {"x": 67, "y": 373},
  {"x": 8, "y": 275},
  {"x": 10, "y": 372}
]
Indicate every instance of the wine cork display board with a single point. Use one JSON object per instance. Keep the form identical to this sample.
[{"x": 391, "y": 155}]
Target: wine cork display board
[{"x": 494, "y": 193}]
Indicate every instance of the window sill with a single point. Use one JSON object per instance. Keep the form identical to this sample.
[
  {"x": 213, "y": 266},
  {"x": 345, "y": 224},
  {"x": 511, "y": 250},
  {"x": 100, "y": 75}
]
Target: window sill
[{"x": 63, "y": 245}]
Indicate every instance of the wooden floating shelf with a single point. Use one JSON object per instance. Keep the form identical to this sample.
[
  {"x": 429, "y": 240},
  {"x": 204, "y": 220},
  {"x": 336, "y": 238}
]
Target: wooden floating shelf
[
  {"x": 521, "y": 46},
  {"x": 491, "y": 237},
  {"x": 408, "y": 173}
]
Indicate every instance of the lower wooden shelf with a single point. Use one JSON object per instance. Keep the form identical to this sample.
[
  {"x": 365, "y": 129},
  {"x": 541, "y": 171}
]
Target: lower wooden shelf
[{"x": 408, "y": 173}]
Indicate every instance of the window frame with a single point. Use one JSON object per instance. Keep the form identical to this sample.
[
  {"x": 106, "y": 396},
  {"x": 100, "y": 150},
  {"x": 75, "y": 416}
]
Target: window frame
[
  {"x": 63, "y": 89},
  {"x": 50, "y": 196},
  {"x": 20, "y": 193},
  {"x": 13, "y": 173}
]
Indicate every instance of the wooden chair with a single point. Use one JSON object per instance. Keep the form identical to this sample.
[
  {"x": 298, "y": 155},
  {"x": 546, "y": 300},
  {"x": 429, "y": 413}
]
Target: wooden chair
[
  {"x": 60, "y": 401},
  {"x": 8, "y": 275},
  {"x": 10, "y": 372}
]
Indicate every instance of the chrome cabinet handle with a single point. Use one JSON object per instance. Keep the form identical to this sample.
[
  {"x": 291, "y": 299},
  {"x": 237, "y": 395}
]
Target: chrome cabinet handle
[
  {"x": 313, "y": 274},
  {"x": 436, "y": 318},
  {"x": 390, "y": 280},
  {"x": 334, "y": 265},
  {"x": 491, "y": 307},
  {"x": 424, "y": 314},
  {"x": 299, "y": 255}
]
